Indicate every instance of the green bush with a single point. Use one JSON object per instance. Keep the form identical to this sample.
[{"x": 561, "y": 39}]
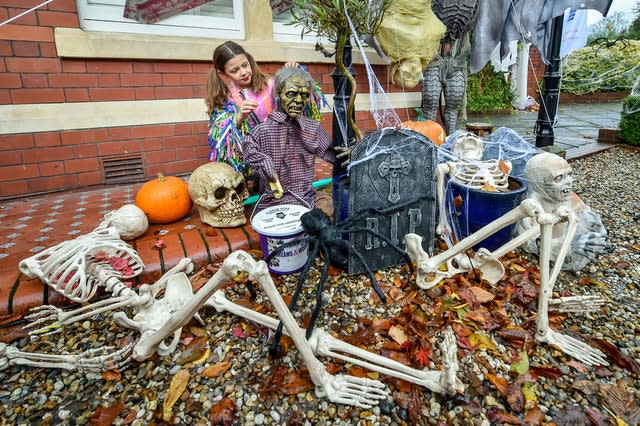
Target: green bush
[
  {"x": 600, "y": 68},
  {"x": 630, "y": 121},
  {"x": 488, "y": 90}
]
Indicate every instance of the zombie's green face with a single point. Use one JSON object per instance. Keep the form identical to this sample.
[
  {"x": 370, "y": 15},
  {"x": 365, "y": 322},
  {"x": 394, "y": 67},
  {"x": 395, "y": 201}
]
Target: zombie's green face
[{"x": 293, "y": 96}]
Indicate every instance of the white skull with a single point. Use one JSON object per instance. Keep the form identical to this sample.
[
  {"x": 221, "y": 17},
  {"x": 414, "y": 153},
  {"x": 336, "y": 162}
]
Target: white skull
[
  {"x": 218, "y": 191},
  {"x": 550, "y": 178},
  {"x": 129, "y": 220},
  {"x": 468, "y": 147}
]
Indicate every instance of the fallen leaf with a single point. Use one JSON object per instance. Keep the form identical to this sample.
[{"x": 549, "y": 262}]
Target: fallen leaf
[
  {"x": 587, "y": 387},
  {"x": 488, "y": 187},
  {"x": 238, "y": 333},
  {"x": 499, "y": 416},
  {"x": 159, "y": 245},
  {"x": 223, "y": 412},
  {"x": 458, "y": 201},
  {"x": 482, "y": 295},
  {"x": 502, "y": 386},
  {"x": 545, "y": 371},
  {"x": 423, "y": 357},
  {"x": 104, "y": 416},
  {"x": 622, "y": 403},
  {"x": 216, "y": 369},
  {"x": 178, "y": 385},
  {"x": 482, "y": 341},
  {"x": 580, "y": 367},
  {"x": 612, "y": 351},
  {"x": 534, "y": 416},
  {"x": 521, "y": 365},
  {"x": 504, "y": 167},
  {"x": 195, "y": 350},
  {"x": 398, "y": 334},
  {"x": 296, "y": 381},
  {"x": 573, "y": 415},
  {"x": 111, "y": 375}
]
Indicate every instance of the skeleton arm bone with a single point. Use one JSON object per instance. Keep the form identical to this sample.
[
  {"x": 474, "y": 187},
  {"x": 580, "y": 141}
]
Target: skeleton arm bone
[
  {"x": 323, "y": 343},
  {"x": 427, "y": 266},
  {"x": 83, "y": 362}
]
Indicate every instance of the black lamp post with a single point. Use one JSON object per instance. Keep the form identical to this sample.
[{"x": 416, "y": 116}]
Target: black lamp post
[{"x": 551, "y": 87}]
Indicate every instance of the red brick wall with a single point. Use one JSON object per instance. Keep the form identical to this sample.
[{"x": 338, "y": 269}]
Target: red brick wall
[
  {"x": 536, "y": 72},
  {"x": 32, "y": 73}
]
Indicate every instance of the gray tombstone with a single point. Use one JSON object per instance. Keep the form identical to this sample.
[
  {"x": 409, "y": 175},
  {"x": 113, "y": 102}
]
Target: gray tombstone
[{"x": 392, "y": 191}]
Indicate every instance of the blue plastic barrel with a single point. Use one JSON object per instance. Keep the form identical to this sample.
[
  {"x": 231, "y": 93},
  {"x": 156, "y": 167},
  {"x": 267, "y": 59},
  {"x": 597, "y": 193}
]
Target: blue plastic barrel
[{"x": 479, "y": 208}]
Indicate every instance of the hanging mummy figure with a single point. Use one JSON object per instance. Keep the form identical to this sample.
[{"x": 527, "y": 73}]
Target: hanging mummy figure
[{"x": 550, "y": 183}]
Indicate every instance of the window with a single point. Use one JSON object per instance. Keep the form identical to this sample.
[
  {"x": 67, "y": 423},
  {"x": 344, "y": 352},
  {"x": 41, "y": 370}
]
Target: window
[
  {"x": 289, "y": 33},
  {"x": 218, "y": 19}
]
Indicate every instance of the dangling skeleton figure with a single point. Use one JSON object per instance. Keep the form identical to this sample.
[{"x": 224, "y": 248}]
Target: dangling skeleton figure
[{"x": 550, "y": 183}]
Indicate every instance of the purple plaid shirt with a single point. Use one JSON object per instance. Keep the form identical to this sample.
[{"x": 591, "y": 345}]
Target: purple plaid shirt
[{"x": 287, "y": 147}]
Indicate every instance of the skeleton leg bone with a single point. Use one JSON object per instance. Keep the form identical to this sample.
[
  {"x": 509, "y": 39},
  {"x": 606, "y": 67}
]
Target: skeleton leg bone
[
  {"x": 324, "y": 344},
  {"x": 338, "y": 388},
  {"x": 569, "y": 345}
]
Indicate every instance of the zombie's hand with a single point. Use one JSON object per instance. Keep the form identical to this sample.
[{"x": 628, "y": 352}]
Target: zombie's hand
[
  {"x": 343, "y": 154},
  {"x": 276, "y": 187}
]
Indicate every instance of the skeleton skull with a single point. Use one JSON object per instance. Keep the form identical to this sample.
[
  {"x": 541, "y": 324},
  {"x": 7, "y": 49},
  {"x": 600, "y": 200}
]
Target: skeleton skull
[
  {"x": 217, "y": 191},
  {"x": 550, "y": 178}
]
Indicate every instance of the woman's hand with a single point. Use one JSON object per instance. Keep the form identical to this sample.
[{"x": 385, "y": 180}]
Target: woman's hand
[{"x": 246, "y": 108}]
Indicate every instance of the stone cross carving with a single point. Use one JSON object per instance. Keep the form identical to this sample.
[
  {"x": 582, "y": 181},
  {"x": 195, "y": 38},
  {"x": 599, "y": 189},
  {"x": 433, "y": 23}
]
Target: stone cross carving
[{"x": 392, "y": 168}]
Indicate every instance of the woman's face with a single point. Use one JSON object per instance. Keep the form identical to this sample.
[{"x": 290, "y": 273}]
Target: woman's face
[{"x": 238, "y": 70}]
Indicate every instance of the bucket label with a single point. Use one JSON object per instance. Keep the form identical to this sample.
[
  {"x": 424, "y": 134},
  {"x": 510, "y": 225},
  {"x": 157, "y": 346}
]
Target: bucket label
[{"x": 290, "y": 259}]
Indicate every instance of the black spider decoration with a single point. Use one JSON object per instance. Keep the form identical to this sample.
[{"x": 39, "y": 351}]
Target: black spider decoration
[{"x": 325, "y": 238}]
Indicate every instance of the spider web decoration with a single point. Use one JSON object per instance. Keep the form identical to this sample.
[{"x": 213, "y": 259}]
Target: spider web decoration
[{"x": 392, "y": 192}]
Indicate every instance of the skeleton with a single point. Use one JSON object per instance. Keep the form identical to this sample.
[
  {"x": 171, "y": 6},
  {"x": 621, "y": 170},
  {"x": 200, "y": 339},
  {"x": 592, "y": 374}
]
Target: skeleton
[
  {"x": 429, "y": 274},
  {"x": 218, "y": 191},
  {"x": 476, "y": 173},
  {"x": 471, "y": 170},
  {"x": 159, "y": 319},
  {"x": 64, "y": 267},
  {"x": 550, "y": 183}
]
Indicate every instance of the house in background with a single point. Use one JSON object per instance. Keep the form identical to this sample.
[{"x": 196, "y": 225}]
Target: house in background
[{"x": 88, "y": 97}]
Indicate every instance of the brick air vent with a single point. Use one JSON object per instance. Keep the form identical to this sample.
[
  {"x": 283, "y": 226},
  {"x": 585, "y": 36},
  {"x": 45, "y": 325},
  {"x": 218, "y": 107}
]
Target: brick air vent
[{"x": 123, "y": 168}]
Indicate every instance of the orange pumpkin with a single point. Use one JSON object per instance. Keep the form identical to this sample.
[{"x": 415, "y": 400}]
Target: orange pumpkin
[
  {"x": 164, "y": 199},
  {"x": 429, "y": 128}
]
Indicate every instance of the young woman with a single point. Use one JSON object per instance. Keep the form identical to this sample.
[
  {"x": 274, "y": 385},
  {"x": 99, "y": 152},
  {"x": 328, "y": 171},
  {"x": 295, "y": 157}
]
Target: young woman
[{"x": 239, "y": 96}]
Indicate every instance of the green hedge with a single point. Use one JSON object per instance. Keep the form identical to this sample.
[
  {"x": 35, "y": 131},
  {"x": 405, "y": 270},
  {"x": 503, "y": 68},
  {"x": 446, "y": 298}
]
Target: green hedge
[
  {"x": 488, "y": 91},
  {"x": 599, "y": 68},
  {"x": 630, "y": 121}
]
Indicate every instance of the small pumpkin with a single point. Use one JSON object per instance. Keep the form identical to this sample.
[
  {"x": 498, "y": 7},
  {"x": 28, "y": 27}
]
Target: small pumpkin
[
  {"x": 164, "y": 199},
  {"x": 428, "y": 128}
]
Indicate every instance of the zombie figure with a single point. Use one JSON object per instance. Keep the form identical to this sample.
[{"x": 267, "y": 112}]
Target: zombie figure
[
  {"x": 283, "y": 149},
  {"x": 550, "y": 183},
  {"x": 447, "y": 72}
]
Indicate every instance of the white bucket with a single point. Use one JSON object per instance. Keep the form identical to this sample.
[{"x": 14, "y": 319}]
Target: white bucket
[{"x": 277, "y": 225}]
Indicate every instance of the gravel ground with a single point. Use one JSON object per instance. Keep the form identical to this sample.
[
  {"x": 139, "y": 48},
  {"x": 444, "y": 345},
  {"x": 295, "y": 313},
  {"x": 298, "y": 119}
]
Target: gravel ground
[{"x": 561, "y": 391}]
